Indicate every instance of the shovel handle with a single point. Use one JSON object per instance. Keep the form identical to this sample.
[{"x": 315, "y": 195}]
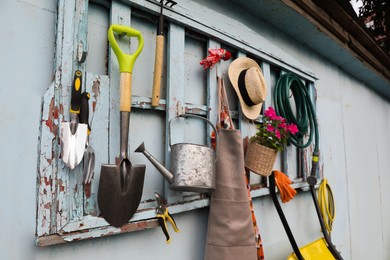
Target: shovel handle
[
  {"x": 125, "y": 92},
  {"x": 126, "y": 61},
  {"x": 76, "y": 93}
]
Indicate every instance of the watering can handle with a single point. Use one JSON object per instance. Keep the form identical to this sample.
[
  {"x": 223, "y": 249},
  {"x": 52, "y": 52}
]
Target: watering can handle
[
  {"x": 126, "y": 61},
  {"x": 194, "y": 116}
]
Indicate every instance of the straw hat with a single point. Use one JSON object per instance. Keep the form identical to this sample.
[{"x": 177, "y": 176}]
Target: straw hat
[{"x": 249, "y": 83}]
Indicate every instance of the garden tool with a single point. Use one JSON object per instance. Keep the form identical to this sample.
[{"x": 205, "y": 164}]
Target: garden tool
[
  {"x": 121, "y": 185},
  {"x": 163, "y": 215},
  {"x": 192, "y": 165},
  {"x": 316, "y": 250},
  {"x": 74, "y": 134},
  {"x": 159, "y": 56},
  {"x": 89, "y": 153}
]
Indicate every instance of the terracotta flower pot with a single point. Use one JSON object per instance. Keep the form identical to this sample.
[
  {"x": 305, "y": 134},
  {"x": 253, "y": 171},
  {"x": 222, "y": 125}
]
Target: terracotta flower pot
[{"x": 260, "y": 159}]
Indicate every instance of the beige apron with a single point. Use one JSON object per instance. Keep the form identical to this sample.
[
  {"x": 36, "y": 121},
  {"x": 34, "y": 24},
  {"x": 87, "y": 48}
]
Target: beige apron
[{"x": 230, "y": 233}]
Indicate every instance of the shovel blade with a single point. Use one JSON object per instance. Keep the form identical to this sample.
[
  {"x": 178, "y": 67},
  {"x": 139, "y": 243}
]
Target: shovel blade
[
  {"x": 73, "y": 145},
  {"x": 118, "y": 205}
]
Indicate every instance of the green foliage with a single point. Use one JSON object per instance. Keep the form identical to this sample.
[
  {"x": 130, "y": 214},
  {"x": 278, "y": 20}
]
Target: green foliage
[{"x": 376, "y": 15}]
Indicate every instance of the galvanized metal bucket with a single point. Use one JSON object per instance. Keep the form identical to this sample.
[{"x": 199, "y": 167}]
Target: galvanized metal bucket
[{"x": 193, "y": 165}]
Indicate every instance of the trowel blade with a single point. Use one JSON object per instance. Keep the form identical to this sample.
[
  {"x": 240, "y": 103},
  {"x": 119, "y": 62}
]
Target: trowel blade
[{"x": 73, "y": 145}]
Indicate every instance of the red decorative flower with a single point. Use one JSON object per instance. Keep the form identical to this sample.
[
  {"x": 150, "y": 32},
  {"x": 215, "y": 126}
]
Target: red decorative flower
[{"x": 215, "y": 55}]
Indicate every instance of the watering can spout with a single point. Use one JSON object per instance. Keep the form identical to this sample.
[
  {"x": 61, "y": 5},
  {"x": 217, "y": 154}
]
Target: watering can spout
[{"x": 164, "y": 171}]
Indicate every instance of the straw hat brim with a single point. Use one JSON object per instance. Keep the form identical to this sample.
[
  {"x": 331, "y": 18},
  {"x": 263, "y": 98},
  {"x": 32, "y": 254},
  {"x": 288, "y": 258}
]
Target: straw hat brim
[{"x": 235, "y": 68}]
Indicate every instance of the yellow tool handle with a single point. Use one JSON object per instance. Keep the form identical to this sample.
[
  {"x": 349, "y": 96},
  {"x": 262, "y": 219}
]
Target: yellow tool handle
[
  {"x": 162, "y": 221},
  {"x": 169, "y": 217},
  {"x": 158, "y": 66},
  {"x": 125, "y": 92},
  {"x": 75, "y": 101}
]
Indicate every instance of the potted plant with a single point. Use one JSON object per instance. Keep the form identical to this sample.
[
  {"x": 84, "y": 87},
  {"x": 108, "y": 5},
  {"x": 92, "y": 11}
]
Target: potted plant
[{"x": 271, "y": 137}]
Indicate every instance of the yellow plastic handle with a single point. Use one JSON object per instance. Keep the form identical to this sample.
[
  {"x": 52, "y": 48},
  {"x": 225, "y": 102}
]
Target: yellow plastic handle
[{"x": 126, "y": 61}]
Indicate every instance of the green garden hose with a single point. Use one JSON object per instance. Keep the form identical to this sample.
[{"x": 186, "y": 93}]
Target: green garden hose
[
  {"x": 304, "y": 115},
  {"x": 305, "y": 118}
]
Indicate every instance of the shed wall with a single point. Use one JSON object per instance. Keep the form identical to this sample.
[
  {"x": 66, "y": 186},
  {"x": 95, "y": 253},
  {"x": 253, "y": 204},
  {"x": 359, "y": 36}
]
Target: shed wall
[{"x": 354, "y": 127}]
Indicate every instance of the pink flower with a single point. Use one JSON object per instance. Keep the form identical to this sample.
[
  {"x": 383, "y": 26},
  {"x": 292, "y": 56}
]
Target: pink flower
[
  {"x": 292, "y": 128},
  {"x": 277, "y": 133},
  {"x": 270, "y": 113},
  {"x": 283, "y": 126},
  {"x": 270, "y": 128},
  {"x": 278, "y": 118}
]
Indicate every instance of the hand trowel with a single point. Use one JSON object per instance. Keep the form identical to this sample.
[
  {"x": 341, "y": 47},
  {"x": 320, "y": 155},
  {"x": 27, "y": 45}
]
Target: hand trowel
[{"x": 73, "y": 134}]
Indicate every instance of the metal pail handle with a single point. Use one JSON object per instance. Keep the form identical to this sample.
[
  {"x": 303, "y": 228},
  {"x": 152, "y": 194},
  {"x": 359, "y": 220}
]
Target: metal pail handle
[{"x": 199, "y": 117}]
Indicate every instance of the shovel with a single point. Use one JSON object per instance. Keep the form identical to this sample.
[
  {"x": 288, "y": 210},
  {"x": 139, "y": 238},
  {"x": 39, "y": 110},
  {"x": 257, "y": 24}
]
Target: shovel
[
  {"x": 89, "y": 153},
  {"x": 73, "y": 135},
  {"x": 121, "y": 185}
]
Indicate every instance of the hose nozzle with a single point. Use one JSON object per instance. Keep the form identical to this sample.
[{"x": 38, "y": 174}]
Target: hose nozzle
[{"x": 312, "y": 179}]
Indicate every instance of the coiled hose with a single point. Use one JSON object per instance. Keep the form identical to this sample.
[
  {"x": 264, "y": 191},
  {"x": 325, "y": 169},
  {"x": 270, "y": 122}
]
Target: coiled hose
[
  {"x": 305, "y": 118},
  {"x": 326, "y": 204},
  {"x": 304, "y": 115}
]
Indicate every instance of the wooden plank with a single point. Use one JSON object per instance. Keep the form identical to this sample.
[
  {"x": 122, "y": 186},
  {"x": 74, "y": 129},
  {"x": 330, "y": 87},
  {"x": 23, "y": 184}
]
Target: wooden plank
[
  {"x": 46, "y": 202},
  {"x": 94, "y": 227},
  {"x": 95, "y": 233},
  {"x": 220, "y": 26},
  {"x": 175, "y": 103},
  {"x": 99, "y": 88},
  {"x": 120, "y": 14},
  {"x": 212, "y": 89},
  {"x": 64, "y": 94}
]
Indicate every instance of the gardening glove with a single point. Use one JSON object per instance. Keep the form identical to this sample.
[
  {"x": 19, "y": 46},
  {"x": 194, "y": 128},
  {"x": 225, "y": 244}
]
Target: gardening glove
[
  {"x": 283, "y": 183},
  {"x": 286, "y": 192}
]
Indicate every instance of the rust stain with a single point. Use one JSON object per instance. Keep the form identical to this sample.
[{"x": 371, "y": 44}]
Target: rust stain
[
  {"x": 60, "y": 186},
  {"x": 96, "y": 88},
  {"x": 47, "y": 205},
  {"x": 96, "y": 93},
  {"x": 48, "y": 181},
  {"x": 53, "y": 115},
  {"x": 87, "y": 189}
]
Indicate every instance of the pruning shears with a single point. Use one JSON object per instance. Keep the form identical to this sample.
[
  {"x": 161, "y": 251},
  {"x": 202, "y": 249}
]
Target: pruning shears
[{"x": 163, "y": 215}]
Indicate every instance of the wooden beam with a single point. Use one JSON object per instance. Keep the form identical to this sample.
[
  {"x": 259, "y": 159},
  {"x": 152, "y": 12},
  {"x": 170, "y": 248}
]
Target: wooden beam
[{"x": 348, "y": 33}]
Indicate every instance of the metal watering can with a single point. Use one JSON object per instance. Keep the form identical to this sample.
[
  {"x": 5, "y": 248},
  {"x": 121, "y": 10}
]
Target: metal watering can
[{"x": 192, "y": 165}]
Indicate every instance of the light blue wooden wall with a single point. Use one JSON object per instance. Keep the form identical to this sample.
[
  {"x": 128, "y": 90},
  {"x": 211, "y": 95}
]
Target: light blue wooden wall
[{"x": 354, "y": 124}]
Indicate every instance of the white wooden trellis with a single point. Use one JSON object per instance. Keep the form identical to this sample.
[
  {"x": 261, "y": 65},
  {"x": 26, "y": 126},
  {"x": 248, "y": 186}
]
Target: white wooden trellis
[{"x": 66, "y": 209}]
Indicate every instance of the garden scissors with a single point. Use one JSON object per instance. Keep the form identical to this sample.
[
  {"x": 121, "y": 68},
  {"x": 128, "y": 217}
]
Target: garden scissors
[{"x": 163, "y": 215}]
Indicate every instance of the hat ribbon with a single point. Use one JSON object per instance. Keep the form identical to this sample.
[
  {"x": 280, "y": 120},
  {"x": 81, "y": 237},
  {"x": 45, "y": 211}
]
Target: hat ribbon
[{"x": 242, "y": 88}]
